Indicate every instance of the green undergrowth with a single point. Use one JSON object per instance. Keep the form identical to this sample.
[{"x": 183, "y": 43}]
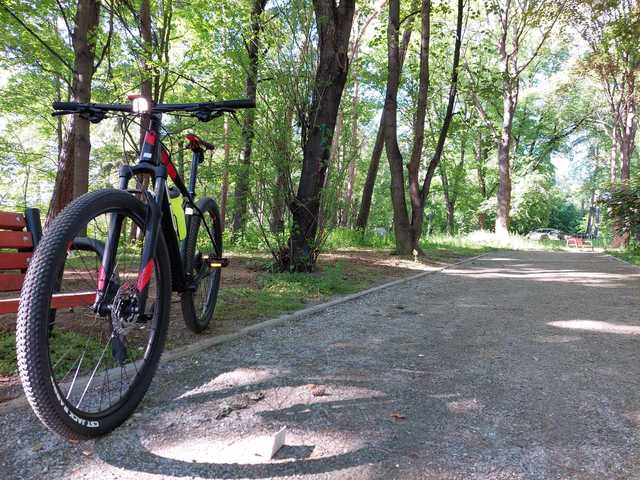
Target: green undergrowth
[
  {"x": 66, "y": 347},
  {"x": 630, "y": 254},
  {"x": 7, "y": 353},
  {"x": 277, "y": 293}
]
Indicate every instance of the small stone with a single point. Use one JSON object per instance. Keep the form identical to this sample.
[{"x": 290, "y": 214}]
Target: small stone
[{"x": 256, "y": 396}]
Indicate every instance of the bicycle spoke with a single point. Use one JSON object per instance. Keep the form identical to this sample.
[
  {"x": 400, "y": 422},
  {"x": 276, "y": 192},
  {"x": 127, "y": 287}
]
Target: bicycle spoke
[{"x": 93, "y": 374}]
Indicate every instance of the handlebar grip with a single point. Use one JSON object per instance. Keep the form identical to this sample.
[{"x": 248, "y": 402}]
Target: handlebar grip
[
  {"x": 234, "y": 104},
  {"x": 66, "y": 105}
]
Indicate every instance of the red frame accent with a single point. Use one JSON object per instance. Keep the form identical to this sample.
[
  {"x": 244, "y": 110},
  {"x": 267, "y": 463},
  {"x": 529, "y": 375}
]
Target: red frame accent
[
  {"x": 145, "y": 276},
  {"x": 101, "y": 278},
  {"x": 166, "y": 161},
  {"x": 150, "y": 137}
]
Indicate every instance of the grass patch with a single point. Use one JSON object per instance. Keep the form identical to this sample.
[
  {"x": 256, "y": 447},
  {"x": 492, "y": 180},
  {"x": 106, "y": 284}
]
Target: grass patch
[
  {"x": 481, "y": 238},
  {"x": 65, "y": 349},
  {"x": 631, "y": 255},
  {"x": 7, "y": 354},
  {"x": 278, "y": 293}
]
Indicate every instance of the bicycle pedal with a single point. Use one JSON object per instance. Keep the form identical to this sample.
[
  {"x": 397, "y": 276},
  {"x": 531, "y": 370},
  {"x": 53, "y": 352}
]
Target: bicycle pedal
[{"x": 215, "y": 262}]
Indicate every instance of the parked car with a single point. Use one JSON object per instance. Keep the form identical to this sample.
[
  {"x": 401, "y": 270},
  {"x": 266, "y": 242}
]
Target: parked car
[{"x": 546, "y": 234}]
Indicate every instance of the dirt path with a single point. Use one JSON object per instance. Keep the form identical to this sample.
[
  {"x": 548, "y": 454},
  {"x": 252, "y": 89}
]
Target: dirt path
[{"x": 518, "y": 365}]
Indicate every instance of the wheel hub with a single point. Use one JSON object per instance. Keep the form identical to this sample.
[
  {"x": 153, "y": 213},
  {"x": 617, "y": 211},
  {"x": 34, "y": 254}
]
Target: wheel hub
[{"x": 124, "y": 310}]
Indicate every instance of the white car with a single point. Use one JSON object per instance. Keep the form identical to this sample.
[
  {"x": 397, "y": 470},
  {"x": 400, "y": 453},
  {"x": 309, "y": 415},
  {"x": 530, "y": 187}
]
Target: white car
[{"x": 546, "y": 234}]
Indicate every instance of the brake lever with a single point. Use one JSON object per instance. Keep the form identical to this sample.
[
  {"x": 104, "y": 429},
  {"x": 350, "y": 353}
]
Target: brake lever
[
  {"x": 94, "y": 116},
  {"x": 208, "y": 115},
  {"x": 59, "y": 113}
]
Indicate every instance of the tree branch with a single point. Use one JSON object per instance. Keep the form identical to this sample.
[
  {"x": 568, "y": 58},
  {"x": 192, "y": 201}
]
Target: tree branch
[{"x": 36, "y": 36}]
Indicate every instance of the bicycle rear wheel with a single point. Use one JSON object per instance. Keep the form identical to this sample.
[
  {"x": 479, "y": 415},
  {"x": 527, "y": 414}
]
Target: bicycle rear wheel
[
  {"x": 199, "y": 301},
  {"x": 84, "y": 373}
]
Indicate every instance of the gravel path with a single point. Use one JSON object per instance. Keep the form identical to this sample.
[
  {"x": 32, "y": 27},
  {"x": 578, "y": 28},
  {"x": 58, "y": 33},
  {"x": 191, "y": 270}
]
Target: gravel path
[{"x": 517, "y": 365}]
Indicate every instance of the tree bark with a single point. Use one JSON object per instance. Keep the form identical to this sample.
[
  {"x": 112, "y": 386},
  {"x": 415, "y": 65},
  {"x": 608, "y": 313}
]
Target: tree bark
[
  {"x": 448, "y": 200},
  {"x": 224, "y": 193},
  {"x": 242, "y": 178},
  {"x": 482, "y": 183},
  {"x": 509, "y": 102},
  {"x": 401, "y": 222},
  {"x": 72, "y": 178},
  {"x": 334, "y": 27},
  {"x": 353, "y": 155},
  {"x": 408, "y": 230},
  {"x": 613, "y": 157},
  {"x": 146, "y": 86},
  {"x": 374, "y": 165}
]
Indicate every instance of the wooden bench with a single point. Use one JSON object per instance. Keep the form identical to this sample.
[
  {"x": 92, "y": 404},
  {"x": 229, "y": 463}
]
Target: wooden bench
[
  {"x": 579, "y": 242},
  {"x": 19, "y": 235}
]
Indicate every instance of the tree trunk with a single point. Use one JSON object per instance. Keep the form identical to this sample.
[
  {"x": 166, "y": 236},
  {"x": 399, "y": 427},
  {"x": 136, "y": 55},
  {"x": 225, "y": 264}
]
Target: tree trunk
[
  {"x": 224, "y": 194},
  {"x": 145, "y": 61},
  {"x": 613, "y": 157},
  {"x": 453, "y": 91},
  {"x": 407, "y": 231},
  {"x": 334, "y": 27},
  {"x": 415, "y": 193},
  {"x": 242, "y": 178},
  {"x": 401, "y": 222},
  {"x": 374, "y": 165},
  {"x": 72, "y": 178},
  {"x": 628, "y": 132},
  {"x": 84, "y": 42},
  {"x": 509, "y": 103},
  {"x": 482, "y": 184},
  {"x": 353, "y": 155},
  {"x": 448, "y": 200}
]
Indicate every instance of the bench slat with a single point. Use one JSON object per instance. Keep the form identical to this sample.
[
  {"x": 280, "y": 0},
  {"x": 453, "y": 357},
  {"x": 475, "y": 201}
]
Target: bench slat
[
  {"x": 12, "y": 221},
  {"x": 11, "y": 282},
  {"x": 59, "y": 300},
  {"x": 14, "y": 260},
  {"x": 15, "y": 240}
]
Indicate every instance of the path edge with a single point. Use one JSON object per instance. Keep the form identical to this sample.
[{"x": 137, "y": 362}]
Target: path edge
[{"x": 209, "y": 342}]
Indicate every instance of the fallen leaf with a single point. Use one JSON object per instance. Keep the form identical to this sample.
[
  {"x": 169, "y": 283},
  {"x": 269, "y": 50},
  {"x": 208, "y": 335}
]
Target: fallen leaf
[{"x": 318, "y": 391}]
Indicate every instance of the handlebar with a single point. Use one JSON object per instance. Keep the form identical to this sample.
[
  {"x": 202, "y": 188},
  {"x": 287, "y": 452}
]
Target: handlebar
[{"x": 223, "y": 106}]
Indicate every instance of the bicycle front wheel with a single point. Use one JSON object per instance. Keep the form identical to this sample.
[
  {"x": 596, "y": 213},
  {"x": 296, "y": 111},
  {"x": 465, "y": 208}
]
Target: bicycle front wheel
[{"x": 84, "y": 372}]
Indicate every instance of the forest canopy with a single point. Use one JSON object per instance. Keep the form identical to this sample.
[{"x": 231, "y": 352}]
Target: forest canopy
[{"x": 408, "y": 117}]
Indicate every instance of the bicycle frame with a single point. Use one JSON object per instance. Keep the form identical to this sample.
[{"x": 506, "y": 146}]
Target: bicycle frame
[{"x": 155, "y": 161}]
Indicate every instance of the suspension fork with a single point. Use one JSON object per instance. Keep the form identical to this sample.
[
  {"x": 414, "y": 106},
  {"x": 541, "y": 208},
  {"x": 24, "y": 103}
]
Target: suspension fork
[{"x": 148, "y": 164}]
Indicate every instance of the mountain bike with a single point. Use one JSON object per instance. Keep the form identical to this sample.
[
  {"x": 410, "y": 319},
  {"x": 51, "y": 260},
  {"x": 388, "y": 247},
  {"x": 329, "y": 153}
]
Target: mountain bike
[{"x": 94, "y": 308}]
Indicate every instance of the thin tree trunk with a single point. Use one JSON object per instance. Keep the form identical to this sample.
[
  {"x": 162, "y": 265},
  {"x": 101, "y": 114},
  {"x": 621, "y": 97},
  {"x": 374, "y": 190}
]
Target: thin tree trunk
[
  {"x": 448, "y": 200},
  {"x": 374, "y": 165},
  {"x": 84, "y": 42},
  {"x": 334, "y": 28},
  {"x": 401, "y": 222},
  {"x": 628, "y": 133},
  {"x": 509, "y": 103},
  {"x": 613, "y": 157},
  {"x": 353, "y": 155},
  {"x": 72, "y": 177},
  {"x": 453, "y": 91},
  {"x": 225, "y": 173},
  {"x": 482, "y": 184},
  {"x": 242, "y": 179},
  {"x": 415, "y": 194}
]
